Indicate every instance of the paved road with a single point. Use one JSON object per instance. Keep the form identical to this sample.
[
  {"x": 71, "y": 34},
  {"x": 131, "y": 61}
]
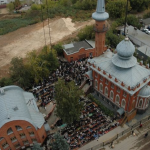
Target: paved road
[{"x": 137, "y": 142}]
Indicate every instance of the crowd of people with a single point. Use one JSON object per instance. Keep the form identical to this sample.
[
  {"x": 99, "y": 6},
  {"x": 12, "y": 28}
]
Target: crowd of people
[
  {"x": 68, "y": 71},
  {"x": 93, "y": 124}
]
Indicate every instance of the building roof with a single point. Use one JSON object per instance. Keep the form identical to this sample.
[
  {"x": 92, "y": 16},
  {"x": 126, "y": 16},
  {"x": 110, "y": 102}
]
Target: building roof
[
  {"x": 145, "y": 91},
  {"x": 129, "y": 76},
  {"x": 146, "y": 21},
  {"x": 145, "y": 50},
  {"x": 16, "y": 104},
  {"x": 75, "y": 47},
  {"x": 100, "y": 13},
  {"x": 137, "y": 34}
]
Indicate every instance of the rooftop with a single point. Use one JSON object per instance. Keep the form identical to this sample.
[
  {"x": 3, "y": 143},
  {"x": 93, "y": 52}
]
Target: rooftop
[
  {"x": 75, "y": 47},
  {"x": 146, "y": 21},
  {"x": 16, "y": 104},
  {"x": 137, "y": 34},
  {"x": 145, "y": 50}
]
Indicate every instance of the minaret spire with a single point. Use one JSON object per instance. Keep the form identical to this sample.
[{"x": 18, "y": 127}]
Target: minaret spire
[
  {"x": 100, "y": 14},
  {"x": 100, "y": 6}
]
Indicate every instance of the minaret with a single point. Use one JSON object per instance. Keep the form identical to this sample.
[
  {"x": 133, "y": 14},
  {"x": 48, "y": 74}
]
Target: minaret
[{"x": 100, "y": 27}]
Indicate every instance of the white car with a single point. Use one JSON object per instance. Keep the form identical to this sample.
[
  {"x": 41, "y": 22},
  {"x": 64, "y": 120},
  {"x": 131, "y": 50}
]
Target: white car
[{"x": 147, "y": 32}]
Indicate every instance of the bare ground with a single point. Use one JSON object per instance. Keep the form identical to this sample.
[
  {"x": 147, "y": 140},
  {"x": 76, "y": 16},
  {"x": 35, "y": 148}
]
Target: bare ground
[{"x": 24, "y": 40}]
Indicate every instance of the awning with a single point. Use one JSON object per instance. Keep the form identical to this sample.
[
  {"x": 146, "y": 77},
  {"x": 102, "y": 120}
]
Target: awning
[
  {"x": 120, "y": 111},
  {"x": 89, "y": 74}
]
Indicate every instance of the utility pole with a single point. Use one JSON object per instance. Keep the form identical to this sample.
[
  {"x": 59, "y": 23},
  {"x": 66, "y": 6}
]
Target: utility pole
[{"x": 126, "y": 18}]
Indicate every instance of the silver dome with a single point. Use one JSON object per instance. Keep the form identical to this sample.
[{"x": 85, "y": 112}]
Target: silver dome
[{"x": 145, "y": 91}]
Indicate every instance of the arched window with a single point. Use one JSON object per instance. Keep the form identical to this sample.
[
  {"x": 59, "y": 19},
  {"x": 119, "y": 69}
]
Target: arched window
[
  {"x": 101, "y": 87},
  {"x": 123, "y": 103},
  {"x": 140, "y": 103},
  {"x": 18, "y": 128},
  {"x": 9, "y": 131},
  {"x": 111, "y": 95},
  {"x": 96, "y": 84},
  {"x": 117, "y": 99},
  {"x": 106, "y": 91},
  {"x": 1, "y": 138},
  {"x": 28, "y": 127},
  {"x": 147, "y": 102}
]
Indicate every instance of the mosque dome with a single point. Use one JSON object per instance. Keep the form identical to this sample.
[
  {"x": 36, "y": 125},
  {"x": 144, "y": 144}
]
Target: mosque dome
[
  {"x": 124, "y": 57},
  {"x": 125, "y": 48},
  {"x": 145, "y": 91}
]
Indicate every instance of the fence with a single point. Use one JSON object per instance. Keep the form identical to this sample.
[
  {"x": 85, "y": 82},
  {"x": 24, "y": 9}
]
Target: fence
[{"x": 130, "y": 129}]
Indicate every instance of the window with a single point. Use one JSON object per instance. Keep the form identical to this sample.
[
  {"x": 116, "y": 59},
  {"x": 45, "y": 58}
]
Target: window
[
  {"x": 28, "y": 127},
  {"x": 124, "y": 94},
  {"x": 101, "y": 87},
  {"x": 9, "y": 131},
  {"x": 31, "y": 133},
  {"x": 123, "y": 104},
  {"x": 101, "y": 78},
  {"x": 117, "y": 99},
  {"x": 1, "y": 138},
  {"x": 90, "y": 55},
  {"x": 18, "y": 128},
  {"x": 34, "y": 140},
  {"x": 17, "y": 145},
  {"x": 13, "y": 139},
  {"x": 111, "y": 95},
  {"x": 147, "y": 102},
  {"x": 25, "y": 142},
  {"x": 118, "y": 89},
  {"x": 106, "y": 91},
  {"x": 96, "y": 84},
  {"x": 140, "y": 103},
  {"x": 5, "y": 145},
  {"x": 22, "y": 135},
  {"x": 106, "y": 81},
  {"x": 112, "y": 85},
  {"x": 95, "y": 74}
]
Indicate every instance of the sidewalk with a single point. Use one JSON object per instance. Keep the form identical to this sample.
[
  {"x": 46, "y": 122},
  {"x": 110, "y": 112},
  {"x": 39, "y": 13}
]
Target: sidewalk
[{"x": 105, "y": 137}]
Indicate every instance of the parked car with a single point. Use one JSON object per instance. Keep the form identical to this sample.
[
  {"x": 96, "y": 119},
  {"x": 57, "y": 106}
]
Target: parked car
[{"x": 147, "y": 32}]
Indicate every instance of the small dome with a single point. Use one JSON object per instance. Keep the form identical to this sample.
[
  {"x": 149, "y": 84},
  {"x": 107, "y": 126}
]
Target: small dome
[
  {"x": 125, "y": 48},
  {"x": 145, "y": 91}
]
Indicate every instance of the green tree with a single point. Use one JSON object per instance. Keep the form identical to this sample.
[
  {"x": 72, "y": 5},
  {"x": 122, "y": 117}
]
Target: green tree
[
  {"x": 59, "y": 143},
  {"x": 17, "y": 3},
  {"x": 5, "y": 82},
  {"x": 86, "y": 33},
  {"x": 117, "y": 8},
  {"x": 67, "y": 99},
  {"x": 20, "y": 73},
  {"x": 59, "y": 49},
  {"x": 36, "y": 146},
  {"x": 139, "y": 5},
  {"x": 10, "y": 7}
]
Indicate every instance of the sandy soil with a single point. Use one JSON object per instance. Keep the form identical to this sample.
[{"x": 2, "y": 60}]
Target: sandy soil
[{"x": 24, "y": 40}]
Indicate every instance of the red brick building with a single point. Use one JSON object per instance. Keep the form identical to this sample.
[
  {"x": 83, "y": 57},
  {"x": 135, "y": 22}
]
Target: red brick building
[
  {"x": 21, "y": 123},
  {"x": 118, "y": 78}
]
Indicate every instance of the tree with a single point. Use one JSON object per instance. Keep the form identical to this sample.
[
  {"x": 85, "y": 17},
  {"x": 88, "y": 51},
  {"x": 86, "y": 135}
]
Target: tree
[
  {"x": 36, "y": 146},
  {"x": 59, "y": 143},
  {"x": 10, "y": 7},
  {"x": 17, "y": 4},
  {"x": 5, "y": 82},
  {"x": 67, "y": 99},
  {"x": 59, "y": 49},
  {"x": 139, "y": 5},
  {"x": 117, "y": 8},
  {"x": 86, "y": 33},
  {"x": 20, "y": 73}
]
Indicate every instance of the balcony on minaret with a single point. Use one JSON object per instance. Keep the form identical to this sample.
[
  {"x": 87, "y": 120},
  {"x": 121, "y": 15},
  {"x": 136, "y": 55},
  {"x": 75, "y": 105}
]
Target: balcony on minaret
[{"x": 104, "y": 29}]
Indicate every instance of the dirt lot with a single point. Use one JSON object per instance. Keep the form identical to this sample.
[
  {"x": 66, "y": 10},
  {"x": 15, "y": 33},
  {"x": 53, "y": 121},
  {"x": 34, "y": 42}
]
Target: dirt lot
[{"x": 24, "y": 40}]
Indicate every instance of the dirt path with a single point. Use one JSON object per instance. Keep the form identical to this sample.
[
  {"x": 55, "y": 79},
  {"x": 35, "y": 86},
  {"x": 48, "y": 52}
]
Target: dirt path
[{"x": 24, "y": 40}]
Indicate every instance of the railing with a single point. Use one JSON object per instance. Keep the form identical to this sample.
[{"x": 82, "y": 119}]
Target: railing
[
  {"x": 111, "y": 140},
  {"x": 99, "y": 31}
]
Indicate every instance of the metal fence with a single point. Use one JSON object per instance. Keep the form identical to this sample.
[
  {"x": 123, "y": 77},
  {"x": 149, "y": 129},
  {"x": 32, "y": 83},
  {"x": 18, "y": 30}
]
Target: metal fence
[{"x": 130, "y": 129}]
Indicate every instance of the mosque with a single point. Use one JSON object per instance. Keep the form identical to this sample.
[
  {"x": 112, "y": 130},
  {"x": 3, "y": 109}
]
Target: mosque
[{"x": 119, "y": 78}]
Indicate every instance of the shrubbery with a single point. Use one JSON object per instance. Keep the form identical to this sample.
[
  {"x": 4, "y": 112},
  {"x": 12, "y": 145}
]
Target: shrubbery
[{"x": 102, "y": 107}]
